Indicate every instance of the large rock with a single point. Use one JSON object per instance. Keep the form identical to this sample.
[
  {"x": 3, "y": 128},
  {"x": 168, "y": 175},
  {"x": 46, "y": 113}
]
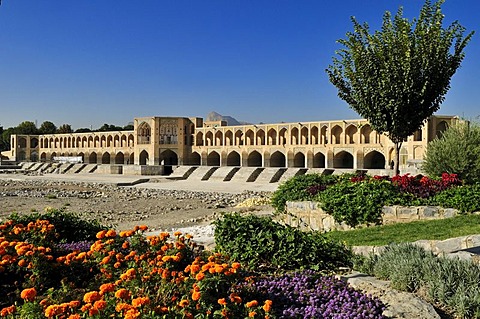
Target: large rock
[{"x": 401, "y": 305}]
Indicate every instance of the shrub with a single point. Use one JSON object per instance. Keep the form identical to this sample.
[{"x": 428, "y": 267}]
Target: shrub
[
  {"x": 450, "y": 283},
  {"x": 357, "y": 203},
  {"x": 260, "y": 241},
  {"x": 299, "y": 188},
  {"x": 457, "y": 151},
  {"x": 464, "y": 198}
]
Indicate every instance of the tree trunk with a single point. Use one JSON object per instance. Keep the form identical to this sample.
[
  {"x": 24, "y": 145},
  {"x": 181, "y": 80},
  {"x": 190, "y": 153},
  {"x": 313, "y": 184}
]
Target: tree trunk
[{"x": 398, "y": 145}]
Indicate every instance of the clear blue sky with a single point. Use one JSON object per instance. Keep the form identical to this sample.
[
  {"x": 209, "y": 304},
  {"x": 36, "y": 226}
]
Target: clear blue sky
[{"x": 89, "y": 62}]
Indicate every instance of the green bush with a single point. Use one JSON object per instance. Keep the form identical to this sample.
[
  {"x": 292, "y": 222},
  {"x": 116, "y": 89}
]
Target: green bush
[
  {"x": 357, "y": 203},
  {"x": 457, "y": 151},
  {"x": 464, "y": 198},
  {"x": 449, "y": 283},
  {"x": 300, "y": 188},
  {"x": 69, "y": 226},
  {"x": 256, "y": 241}
]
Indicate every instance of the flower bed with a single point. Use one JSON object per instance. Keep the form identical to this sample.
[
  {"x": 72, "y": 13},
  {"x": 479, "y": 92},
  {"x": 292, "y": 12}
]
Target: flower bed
[{"x": 130, "y": 275}]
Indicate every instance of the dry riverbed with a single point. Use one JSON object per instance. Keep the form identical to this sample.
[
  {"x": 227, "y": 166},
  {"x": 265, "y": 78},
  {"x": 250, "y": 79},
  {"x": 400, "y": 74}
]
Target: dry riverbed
[{"x": 121, "y": 207}]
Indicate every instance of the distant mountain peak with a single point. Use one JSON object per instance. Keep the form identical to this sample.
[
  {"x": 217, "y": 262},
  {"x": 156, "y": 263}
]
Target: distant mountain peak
[{"x": 214, "y": 116}]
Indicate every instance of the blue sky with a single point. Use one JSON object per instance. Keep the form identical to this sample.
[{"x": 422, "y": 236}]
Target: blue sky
[{"x": 88, "y": 62}]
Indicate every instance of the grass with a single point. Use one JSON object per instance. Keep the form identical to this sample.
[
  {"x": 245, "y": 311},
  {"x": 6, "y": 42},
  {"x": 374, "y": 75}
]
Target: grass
[{"x": 463, "y": 225}]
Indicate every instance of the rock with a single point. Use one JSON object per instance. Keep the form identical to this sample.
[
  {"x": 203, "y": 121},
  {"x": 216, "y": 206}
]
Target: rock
[{"x": 401, "y": 305}]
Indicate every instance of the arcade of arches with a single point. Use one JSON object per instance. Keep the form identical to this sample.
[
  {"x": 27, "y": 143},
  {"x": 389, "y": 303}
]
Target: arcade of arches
[{"x": 174, "y": 141}]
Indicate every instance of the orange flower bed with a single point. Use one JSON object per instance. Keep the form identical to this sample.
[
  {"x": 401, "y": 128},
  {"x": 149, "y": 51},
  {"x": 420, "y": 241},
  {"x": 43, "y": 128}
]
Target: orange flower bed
[{"x": 123, "y": 275}]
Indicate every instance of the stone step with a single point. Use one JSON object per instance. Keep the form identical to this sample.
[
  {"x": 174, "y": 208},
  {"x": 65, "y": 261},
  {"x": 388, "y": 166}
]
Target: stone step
[
  {"x": 222, "y": 172},
  {"x": 182, "y": 172},
  {"x": 231, "y": 174},
  {"x": 243, "y": 174},
  {"x": 45, "y": 167},
  {"x": 268, "y": 174},
  {"x": 90, "y": 168},
  {"x": 291, "y": 172},
  {"x": 253, "y": 177},
  {"x": 202, "y": 173},
  {"x": 35, "y": 166},
  {"x": 66, "y": 168}
]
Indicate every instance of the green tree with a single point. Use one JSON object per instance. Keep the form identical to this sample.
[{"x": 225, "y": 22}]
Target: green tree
[
  {"x": 47, "y": 127},
  {"x": 397, "y": 77},
  {"x": 109, "y": 127},
  {"x": 83, "y": 130},
  {"x": 457, "y": 152},
  {"x": 65, "y": 128},
  {"x": 27, "y": 128},
  {"x": 5, "y": 139}
]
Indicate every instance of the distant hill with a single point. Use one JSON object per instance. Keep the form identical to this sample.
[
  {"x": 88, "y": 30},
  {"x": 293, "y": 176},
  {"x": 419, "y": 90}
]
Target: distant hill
[{"x": 214, "y": 116}]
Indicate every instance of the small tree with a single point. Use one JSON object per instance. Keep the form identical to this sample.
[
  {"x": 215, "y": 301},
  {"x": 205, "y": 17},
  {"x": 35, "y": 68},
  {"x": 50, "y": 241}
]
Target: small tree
[
  {"x": 397, "y": 77},
  {"x": 457, "y": 152}
]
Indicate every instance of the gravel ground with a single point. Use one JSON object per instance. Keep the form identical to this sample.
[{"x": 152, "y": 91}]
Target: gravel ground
[{"x": 121, "y": 207}]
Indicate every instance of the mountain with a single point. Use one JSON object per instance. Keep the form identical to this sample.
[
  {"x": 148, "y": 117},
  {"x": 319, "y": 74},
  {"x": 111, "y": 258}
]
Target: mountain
[{"x": 214, "y": 116}]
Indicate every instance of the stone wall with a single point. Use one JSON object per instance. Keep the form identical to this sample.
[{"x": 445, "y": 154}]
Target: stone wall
[{"x": 309, "y": 216}]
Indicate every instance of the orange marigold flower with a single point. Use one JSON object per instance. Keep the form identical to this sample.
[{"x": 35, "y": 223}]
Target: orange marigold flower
[
  {"x": 28, "y": 294},
  {"x": 200, "y": 276},
  {"x": 267, "y": 306},
  {"x": 91, "y": 296},
  {"x": 74, "y": 316},
  {"x": 196, "y": 295},
  {"x": 93, "y": 311},
  {"x": 101, "y": 234},
  {"x": 100, "y": 304},
  {"x": 143, "y": 227},
  {"x": 251, "y": 304},
  {"x": 140, "y": 301},
  {"x": 236, "y": 265},
  {"x": 132, "y": 314},
  {"x": 120, "y": 307},
  {"x": 111, "y": 233},
  {"x": 177, "y": 233},
  {"x": 53, "y": 310},
  {"x": 74, "y": 304},
  {"x": 219, "y": 269},
  {"x": 108, "y": 287},
  {"x": 194, "y": 268},
  {"x": 183, "y": 303},
  {"x": 125, "y": 245},
  {"x": 222, "y": 301},
  {"x": 22, "y": 263},
  {"x": 8, "y": 311},
  {"x": 252, "y": 314},
  {"x": 122, "y": 294},
  {"x": 235, "y": 298}
]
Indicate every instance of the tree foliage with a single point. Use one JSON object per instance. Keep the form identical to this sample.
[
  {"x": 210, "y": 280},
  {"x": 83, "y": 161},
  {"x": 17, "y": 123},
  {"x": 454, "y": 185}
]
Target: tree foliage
[
  {"x": 47, "y": 127},
  {"x": 65, "y": 128},
  {"x": 26, "y": 128},
  {"x": 456, "y": 152},
  {"x": 398, "y": 76}
]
